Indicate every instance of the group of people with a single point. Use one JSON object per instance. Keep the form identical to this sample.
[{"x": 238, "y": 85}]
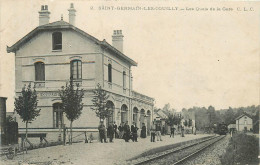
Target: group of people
[
  {"x": 156, "y": 130},
  {"x": 124, "y": 131}
]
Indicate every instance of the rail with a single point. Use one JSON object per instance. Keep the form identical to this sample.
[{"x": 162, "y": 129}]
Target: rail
[
  {"x": 196, "y": 152},
  {"x": 160, "y": 155}
]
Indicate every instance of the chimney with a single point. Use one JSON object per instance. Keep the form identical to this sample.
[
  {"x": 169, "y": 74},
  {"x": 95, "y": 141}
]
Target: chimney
[
  {"x": 72, "y": 14},
  {"x": 117, "y": 40},
  {"x": 44, "y": 15}
]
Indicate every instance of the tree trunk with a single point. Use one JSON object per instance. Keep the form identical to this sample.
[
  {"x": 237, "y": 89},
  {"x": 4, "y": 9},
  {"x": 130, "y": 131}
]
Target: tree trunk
[
  {"x": 71, "y": 132},
  {"x": 26, "y": 135}
]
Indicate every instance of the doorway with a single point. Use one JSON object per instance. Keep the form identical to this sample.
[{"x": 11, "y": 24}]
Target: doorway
[
  {"x": 124, "y": 113},
  {"x": 58, "y": 120},
  {"x": 111, "y": 108}
]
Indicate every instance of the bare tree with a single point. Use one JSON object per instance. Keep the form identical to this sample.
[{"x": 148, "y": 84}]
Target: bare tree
[
  {"x": 26, "y": 106},
  {"x": 71, "y": 102},
  {"x": 100, "y": 103}
]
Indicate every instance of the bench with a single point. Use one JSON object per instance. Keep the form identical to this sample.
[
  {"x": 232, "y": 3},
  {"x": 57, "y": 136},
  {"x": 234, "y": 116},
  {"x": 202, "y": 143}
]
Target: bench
[{"x": 42, "y": 137}]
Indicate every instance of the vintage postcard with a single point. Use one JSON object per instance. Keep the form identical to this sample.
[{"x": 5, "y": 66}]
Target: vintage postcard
[{"x": 91, "y": 82}]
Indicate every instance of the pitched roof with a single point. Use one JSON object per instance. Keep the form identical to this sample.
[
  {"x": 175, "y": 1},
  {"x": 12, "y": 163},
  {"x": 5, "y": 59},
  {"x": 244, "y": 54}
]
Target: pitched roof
[
  {"x": 161, "y": 114},
  {"x": 244, "y": 114},
  {"x": 64, "y": 25}
]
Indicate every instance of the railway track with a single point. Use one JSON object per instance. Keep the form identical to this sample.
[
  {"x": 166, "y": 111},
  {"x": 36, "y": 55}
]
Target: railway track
[{"x": 177, "y": 155}]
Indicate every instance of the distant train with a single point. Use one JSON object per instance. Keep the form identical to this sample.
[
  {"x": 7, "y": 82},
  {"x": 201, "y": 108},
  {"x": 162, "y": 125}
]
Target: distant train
[{"x": 221, "y": 129}]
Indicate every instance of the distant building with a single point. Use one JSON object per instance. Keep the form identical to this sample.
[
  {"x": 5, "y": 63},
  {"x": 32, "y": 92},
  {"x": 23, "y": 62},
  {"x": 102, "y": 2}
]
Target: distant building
[
  {"x": 231, "y": 127},
  {"x": 188, "y": 116},
  {"x": 160, "y": 116},
  {"x": 52, "y": 53},
  {"x": 244, "y": 123}
]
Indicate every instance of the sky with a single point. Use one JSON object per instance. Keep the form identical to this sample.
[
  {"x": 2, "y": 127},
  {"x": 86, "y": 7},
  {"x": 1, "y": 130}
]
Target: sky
[{"x": 186, "y": 57}]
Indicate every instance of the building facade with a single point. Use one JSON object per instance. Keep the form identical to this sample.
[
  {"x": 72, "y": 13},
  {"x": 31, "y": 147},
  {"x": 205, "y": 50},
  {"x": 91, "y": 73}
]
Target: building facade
[
  {"x": 244, "y": 123},
  {"x": 52, "y": 53}
]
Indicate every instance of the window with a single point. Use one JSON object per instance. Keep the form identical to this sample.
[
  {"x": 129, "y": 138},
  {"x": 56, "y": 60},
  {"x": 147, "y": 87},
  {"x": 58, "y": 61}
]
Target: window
[
  {"x": 39, "y": 71},
  {"x": 124, "y": 79},
  {"x": 109, "y": 73},
  {"x": 57, "y": 115},
  {"x": 75, "y": 69},
  {"x": 56, "y": 41}
]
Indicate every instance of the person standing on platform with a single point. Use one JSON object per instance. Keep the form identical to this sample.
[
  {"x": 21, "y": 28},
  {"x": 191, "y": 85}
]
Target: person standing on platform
[
  {"x": 152, "y": 129},
  {"x": 126, "y": 132},
  {"x": 134, "y": 132},
  {"x": 102, "y": 132},
  {"x": 158, "y": 132},
  {"x": 172, "y": 131},
  {"x": 115, "y": 130},
  {"x": 163, "y": 130},
  {"x": 182, "y": 131},
  {"x": 110, "y": 131},
  {"x": 143, "y": 131},
  {"x": 121, "y": 130}
]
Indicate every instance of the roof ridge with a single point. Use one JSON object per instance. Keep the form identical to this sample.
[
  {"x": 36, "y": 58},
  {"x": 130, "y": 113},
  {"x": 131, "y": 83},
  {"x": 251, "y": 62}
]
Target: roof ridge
[
  {"x": 243, "y": 114},
  {"x": 64, "y": 24},
  {"x": 55, "y": 22}
]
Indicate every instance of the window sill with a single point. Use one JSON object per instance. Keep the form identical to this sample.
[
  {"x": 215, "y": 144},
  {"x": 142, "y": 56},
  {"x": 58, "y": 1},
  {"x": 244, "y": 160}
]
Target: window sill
[
  {"x": 60, "y": 50},
  {"x": 39, "y": 84},
  {"x": 75, "y": 82}
]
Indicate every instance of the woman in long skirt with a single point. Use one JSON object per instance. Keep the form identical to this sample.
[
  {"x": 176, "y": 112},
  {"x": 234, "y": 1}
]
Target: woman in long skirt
[{"x": 143, "y": 131}]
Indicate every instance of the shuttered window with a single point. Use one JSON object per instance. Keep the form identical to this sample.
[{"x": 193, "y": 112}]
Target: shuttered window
[
  {"x": 39, "y": 71},
  {"x": 124, "y": 79},
  {"x": 76, "y": 69},
  {"x": 109, "y": 73}
]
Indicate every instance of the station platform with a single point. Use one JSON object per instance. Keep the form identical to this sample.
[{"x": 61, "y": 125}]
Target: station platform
[{"x": 96, "y": 153}]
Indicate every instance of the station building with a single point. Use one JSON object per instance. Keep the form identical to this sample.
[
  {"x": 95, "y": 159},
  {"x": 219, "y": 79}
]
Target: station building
[
  {"x": 244, "y": 123},
  {"x": 53, "y": 52}
]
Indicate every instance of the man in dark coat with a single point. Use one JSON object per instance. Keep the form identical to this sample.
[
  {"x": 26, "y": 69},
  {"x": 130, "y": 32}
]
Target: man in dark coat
[
  {"x": 126, "y": 132},
  {"x": 115, "y": 130},
  {"x": 110, "y": 131},
  {"x": 172, "y": 131},
  {"x": 102, "y": 132},
  {"x": 134, "y": 132},
  {"x": 152, "y": 129},
  {"x": 163, "y": 130}
]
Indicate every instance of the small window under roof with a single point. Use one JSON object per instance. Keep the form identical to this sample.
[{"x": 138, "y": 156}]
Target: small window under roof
[{"x": 57, "y": 41}]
